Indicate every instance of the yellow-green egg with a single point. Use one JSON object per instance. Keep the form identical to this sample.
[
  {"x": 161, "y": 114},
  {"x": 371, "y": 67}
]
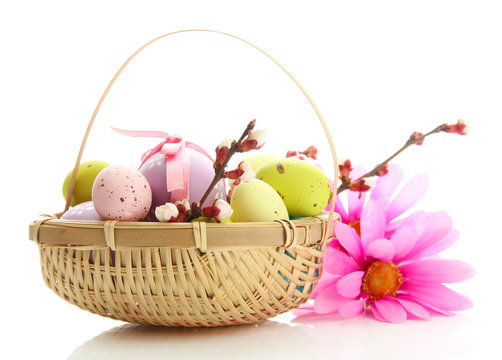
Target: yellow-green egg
[
  {"x": 258, "y": 160},
  {"x": 255, "y": 201},
  {"x": 303, "y": 187},
  {"x": 87, "y": 172}
]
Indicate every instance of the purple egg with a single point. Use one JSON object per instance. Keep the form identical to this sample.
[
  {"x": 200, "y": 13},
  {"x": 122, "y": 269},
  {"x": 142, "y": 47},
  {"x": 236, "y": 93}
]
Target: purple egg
[
  {"x": 201, "y": 174},
  {"x": 83, "y": 211}
]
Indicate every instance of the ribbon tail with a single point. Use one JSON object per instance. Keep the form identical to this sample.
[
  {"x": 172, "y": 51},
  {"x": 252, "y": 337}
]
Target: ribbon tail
[
  {"x": 140, "y": 133},
  {"x": 178, "y": 176},
  {"x": 198, "y": 149}
]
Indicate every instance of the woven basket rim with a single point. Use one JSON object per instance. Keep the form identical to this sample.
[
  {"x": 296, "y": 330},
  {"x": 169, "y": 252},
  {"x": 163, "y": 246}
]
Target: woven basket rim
[{"x": 52, "y": 231}]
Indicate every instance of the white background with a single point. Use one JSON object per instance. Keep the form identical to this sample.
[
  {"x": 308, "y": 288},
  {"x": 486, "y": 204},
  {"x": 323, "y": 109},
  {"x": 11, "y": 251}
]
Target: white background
[{"x": 378, "y": 70}]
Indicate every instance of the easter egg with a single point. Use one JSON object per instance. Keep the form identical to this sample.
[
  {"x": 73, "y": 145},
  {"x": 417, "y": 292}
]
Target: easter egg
[
  {"x": 83, "y": 211},
  {"x": 303, "y": 187},
  {"x": 121, "y": 193},
  {"x": 254, "y": 201},
  {"x": 201, "y": 175},
  {"x": 87, "y": 172},
  {"x": 258, "y": 160}
]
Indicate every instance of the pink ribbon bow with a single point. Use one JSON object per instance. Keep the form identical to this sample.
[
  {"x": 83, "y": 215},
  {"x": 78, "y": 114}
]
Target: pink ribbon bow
[{"x": 177, "y": 159}]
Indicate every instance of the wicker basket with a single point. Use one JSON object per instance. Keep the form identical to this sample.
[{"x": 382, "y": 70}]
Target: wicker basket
[{"x": 183, "y": 274}]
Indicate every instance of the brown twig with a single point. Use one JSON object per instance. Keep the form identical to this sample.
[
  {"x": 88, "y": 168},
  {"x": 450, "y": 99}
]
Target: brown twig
[
  {"x": 411, "y": 141},
  {"x": 196, "y": 208}
]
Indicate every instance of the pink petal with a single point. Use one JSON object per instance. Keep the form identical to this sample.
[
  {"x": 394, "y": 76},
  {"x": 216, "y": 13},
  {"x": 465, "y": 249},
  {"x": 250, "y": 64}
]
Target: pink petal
[
  {"x": 340, "y": 209},
  {"x": 376, "y": 314},
  {"x": 437, "y": 226},
  {"x": 337, "y": 262},
  {"x": 437, "y": 312},
  {"x": 404, "y": 239},
  {"x": 436, "y": 296},
  {"x": 414, "y": 308},
  {"x": 442, "y": 244},
  {"x": 381, "y": 249},
  {"x": 408, "y": 196},
  {"x": 416, "y": 220},
  {"x": 390, "y": 310},
  {"x": 328, "y": 301},
  {"x": 351, "y": 309},
  {"x": 349, "y": 285},
  {"x": 348, "y": 238},
  {"x": 387, "y": 184},
  {"x": 356, "y": 199},
  {"x": 356, "y": 202},
  {"x": 372, "y": 222},
  {"x": 437, "y": 270},
  {"x": 326, "y": 280}
]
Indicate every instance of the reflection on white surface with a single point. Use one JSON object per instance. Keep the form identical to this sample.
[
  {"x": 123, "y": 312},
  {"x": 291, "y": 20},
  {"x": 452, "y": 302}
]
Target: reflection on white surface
[
  {"x": 306, "y": 337},
  {"x": 366, "y": 338},
  {"x": 233, "y": 342}
]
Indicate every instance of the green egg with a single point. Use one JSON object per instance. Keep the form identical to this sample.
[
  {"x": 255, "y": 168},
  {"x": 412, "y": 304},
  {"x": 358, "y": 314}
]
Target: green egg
[
  {"x": 303, "y": 187},
  {"x": 87, "y": 172},
  {"x": 255, "y": 201},
  {"x": 258, "y": 160}
]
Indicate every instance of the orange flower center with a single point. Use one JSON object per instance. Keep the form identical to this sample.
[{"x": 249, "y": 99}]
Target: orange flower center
[
  {"x": 356, "y": 225},
  {"x": 381, "y": 279}
]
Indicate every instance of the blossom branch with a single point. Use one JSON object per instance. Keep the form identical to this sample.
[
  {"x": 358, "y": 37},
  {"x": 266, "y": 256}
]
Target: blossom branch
[
  {"x": 416, "y": 138},
  {"x": 196, "y": 210}
]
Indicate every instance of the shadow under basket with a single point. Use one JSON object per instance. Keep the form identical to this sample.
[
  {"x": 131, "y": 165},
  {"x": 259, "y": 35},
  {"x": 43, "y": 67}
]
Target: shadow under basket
[{"x": 182, "y": 274}]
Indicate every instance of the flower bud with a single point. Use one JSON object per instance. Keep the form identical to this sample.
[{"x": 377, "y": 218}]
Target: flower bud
[
  {"x": 416, "y": 135},
  {"x": 225, "y": 209},
  {"x": 260, "y": 136},
  {"x": 361, "y": 185},
  {"x": 167, "y": 212},
  {"x": 226, "y": 143},
  {"x": 255, "y": 140},
  {"x": 296, "y": 155},
  {"x": 244, "y": 172},
  {"x": 183, "y": 207},
  {"x": 220, "y": 210},
  {"x": 222, "y": 151},
  {"x": 184, "y": 204},
  {"x": 311, "y": 152},
  {"x": 460, "y": 128},
  {"x": 383, "y": 170},
  {"x": 345, "y": 167}
]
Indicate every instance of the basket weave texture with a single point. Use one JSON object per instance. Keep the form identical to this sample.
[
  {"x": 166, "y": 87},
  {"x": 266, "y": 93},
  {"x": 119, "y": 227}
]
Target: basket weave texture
[
  {"x": 184, "y": 274},
  {"x": 184, "y": 287}
]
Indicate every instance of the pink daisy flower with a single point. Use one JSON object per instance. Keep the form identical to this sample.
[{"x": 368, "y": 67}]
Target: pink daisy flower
[
  {"x": 385, "y": 187},
  {"x": 398, "y": 276}
]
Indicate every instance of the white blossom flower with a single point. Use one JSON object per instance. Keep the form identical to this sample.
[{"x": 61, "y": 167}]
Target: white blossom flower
[
  {"x": 225, "y": 209},
  {"x": 166, "y": 212}
]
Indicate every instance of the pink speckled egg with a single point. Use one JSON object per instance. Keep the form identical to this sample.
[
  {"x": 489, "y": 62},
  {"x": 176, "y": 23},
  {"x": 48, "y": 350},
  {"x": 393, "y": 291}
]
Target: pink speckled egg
[
  {"x": 82, "y": 211},
  {"x": 201, "y": 174},
  {"x": 121, "y": 193}
]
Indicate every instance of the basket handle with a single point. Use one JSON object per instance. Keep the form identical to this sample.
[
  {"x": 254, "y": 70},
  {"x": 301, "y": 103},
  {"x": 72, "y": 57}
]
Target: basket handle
[{"x": 117, "y": 74}]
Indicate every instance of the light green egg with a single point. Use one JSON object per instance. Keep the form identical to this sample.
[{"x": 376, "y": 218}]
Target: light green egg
[
  {"x": 87, "y": 172},
  {"x": 303, "y": 187},
  {"x": 255, "y": 201},
  {"x": 258, "y": 160}
]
